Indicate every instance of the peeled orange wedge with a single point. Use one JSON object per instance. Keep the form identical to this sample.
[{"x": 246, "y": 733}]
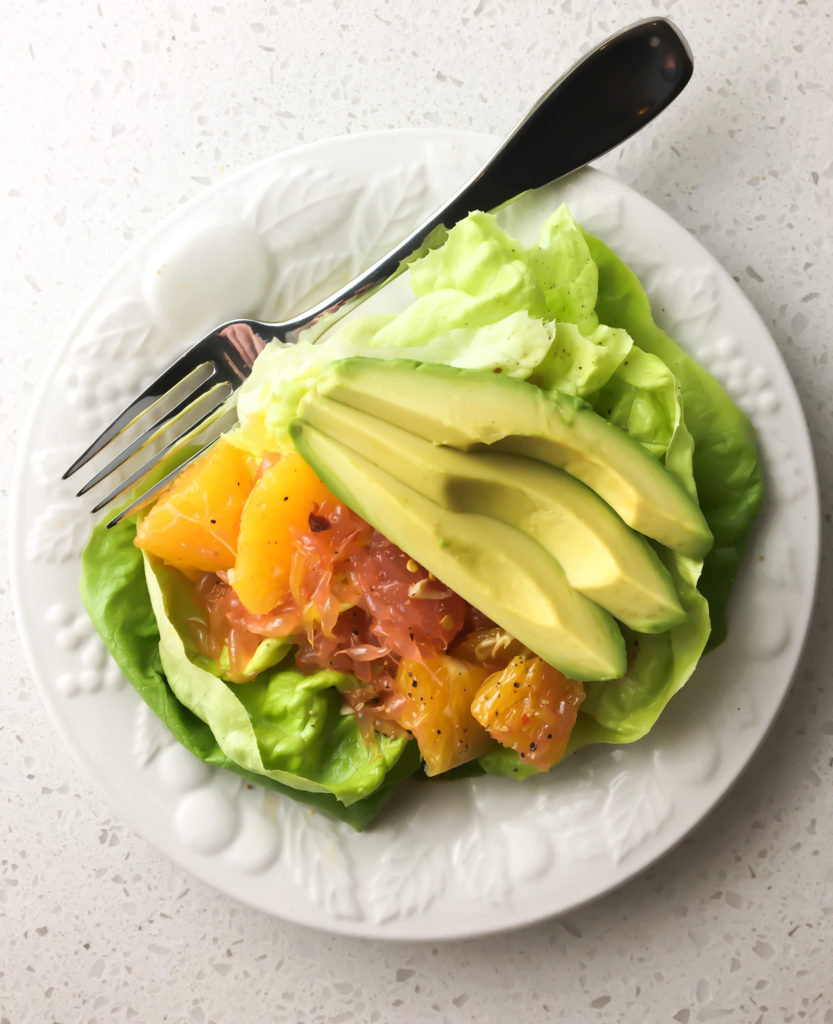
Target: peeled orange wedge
[
  {"x": 194, "y": 525},
  {"x": 531, "y": 707},
  {"x": 281, "y": 499},
  {"x": 438, "y": 693}
]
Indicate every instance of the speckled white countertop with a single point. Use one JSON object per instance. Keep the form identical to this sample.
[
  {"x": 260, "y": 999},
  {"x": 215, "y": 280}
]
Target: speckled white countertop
[{"x": 111, "y": 115}]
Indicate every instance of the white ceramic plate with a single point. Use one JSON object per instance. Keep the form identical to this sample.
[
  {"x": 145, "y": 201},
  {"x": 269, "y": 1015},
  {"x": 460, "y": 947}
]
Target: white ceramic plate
[{"x": 471, "y": 856}]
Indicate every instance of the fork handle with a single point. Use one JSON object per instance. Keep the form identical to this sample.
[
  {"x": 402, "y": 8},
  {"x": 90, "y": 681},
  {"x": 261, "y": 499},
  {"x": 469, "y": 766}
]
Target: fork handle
[{"x": 609, "y": 94}]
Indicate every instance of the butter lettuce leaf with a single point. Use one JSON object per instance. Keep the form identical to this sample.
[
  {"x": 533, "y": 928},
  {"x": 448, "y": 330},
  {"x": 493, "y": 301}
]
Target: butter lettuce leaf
[
  {"x": 479, "y": 259},
  {"x": 114, "y": 588},
  {"x": 516, "y": 344},
  {"x": 624, "y": 710},
  {"x": 565, "y": 270},
  {"x": 283, "y": 725},
  {"x": 581, "y": 365},
  {"x": 644, "y": 398}
]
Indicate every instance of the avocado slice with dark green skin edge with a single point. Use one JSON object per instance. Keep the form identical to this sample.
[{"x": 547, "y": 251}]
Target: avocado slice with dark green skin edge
[
  {"x": 470, "y": 409},
  {"x": 601, "y": 557},
  {"x": 495, "y": 567}
]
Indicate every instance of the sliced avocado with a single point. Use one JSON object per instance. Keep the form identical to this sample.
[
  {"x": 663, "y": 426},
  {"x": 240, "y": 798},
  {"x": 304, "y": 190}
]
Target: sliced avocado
[
  {"x": 495, "y": 567},
  {"x": 601, "y": 557},
  {"x": 470, "y": 409}
]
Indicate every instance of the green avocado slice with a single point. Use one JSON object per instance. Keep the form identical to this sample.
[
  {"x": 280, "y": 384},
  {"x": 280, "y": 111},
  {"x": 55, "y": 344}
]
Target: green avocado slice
[
  {"x": 495, "y": 567},
  {"x": 470, "y": 409},
  {"x": 601, "y": 557}
]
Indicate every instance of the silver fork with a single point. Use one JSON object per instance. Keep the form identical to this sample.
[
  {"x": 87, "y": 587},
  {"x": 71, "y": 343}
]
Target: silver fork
[{"x": 601, "y": 101}]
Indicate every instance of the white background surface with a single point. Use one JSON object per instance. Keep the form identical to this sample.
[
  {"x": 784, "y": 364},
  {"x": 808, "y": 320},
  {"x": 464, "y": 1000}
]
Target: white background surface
[{"x": 111, "y": 114}]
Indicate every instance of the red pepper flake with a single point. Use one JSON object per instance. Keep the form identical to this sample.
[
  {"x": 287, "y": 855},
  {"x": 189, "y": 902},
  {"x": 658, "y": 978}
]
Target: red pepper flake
[{"x": 318, "y": 523}]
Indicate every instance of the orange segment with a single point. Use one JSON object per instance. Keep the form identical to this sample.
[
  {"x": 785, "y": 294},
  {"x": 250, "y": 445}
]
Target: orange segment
[
  {"x": 530, "y": 707},
  {"x": 437, "y": 709},
  {"x": 194, "y": 525},
  {"x": 282, "y": 499}
]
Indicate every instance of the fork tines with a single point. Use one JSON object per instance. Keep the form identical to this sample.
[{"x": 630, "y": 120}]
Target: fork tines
[{"x": 186, "y": 400}]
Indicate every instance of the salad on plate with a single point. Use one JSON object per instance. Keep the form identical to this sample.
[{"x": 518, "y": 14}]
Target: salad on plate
[{"x": 467, "y": 537}]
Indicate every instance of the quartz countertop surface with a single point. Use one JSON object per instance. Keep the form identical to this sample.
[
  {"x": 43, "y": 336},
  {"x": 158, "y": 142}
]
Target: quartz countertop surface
[{"x": 112, "y": 115}]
